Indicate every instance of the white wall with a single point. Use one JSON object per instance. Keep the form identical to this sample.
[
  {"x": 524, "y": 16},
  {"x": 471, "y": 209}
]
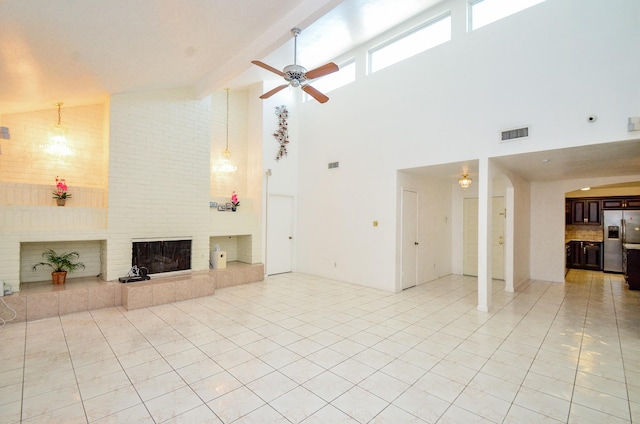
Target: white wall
[
  {"x": 434, "y": 227},
  {"x": 548, "y": 67},
  {"x": 283, "y": 180}
]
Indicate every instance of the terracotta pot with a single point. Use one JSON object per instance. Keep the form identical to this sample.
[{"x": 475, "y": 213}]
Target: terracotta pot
[
  {"x": 61, "y": 202},
  {"x": 59, "y": 277}
]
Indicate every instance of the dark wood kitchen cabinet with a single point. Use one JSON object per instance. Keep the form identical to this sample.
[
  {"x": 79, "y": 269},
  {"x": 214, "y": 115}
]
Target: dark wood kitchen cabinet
[
  {"x": 585, "y": 211},
  {"x": 621, "y": 203},
  {"x": 632, "y": 268},
  {"x": 585, "y": 255}
]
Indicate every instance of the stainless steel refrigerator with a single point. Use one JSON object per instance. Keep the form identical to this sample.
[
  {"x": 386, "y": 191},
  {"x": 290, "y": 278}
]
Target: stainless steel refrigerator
[{"x": 620, "y": 227}]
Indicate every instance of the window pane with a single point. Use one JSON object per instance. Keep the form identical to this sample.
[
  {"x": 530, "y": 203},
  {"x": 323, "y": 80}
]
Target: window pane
[
  {"x": 414, "y": 42},
  {"x": 484, "y": 12},
  {"x": 344, "y": 76}
]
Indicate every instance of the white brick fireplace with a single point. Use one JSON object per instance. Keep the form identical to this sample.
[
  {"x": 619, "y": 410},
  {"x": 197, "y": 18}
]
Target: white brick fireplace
[{"x": 142, "y": 170}]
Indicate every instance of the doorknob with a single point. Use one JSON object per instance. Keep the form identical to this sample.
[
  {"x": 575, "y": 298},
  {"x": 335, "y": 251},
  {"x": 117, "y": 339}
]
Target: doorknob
[
  {"x": 500, "y": 240},
  {"x": 415, "y": 242},
  {"x": 290, "y": 238}
]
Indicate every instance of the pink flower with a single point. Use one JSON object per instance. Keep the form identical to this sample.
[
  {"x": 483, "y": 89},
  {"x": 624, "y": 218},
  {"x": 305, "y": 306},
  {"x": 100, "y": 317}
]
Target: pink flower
[
  {"x": 234, "y": 199},
  {"x": 61, "y": 189}
]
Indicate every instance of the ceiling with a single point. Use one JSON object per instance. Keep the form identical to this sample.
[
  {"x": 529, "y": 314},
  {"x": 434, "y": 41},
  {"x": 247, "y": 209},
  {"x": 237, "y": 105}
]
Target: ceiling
[
  {"x": 80, "y": 51},
  {"x": 590, "y": 161}
]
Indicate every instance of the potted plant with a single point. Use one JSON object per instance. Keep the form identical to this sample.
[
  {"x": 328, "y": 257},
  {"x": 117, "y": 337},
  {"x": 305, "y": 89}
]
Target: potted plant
[
  {"x": 60, "y": 264},
  {"x": 61, "y": 194},
  {"x": 234, "y": 201}
]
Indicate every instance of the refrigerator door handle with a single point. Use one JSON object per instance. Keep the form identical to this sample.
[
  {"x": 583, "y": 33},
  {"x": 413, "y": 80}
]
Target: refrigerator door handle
[{"x": 624, "y": 231}]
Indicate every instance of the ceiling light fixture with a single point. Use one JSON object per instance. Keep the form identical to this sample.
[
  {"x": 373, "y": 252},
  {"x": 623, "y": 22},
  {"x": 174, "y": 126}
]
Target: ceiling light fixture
[
  {"x": 464, "y": 181},
  {"x": 586, "y": 189},
  {"x": 224, "y": 165},
  {"x": 58, "y": 140}
]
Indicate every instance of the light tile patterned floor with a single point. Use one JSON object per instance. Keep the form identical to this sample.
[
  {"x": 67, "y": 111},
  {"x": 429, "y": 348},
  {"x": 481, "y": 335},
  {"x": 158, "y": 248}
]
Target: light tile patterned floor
[{"x": 298, "y": 348}]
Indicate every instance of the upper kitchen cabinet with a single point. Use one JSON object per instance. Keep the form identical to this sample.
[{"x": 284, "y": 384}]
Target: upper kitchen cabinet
[
  {"x": 585, "y": 211},
  {"x": 621, "y": 203}
]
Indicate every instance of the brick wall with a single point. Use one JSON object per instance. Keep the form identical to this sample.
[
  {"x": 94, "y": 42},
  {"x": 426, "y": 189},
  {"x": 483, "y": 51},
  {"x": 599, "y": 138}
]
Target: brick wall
[
  {"x": 223, "y": 185},
  {"x": 24, "y": 160},
  {"x": 158, "y": 173}
]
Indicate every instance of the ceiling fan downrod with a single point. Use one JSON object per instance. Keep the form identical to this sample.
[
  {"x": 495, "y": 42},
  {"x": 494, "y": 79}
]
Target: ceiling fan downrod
[{"x": 296, "y": 31}]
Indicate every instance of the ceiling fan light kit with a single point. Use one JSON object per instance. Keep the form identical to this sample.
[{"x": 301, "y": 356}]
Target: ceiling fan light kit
[{"x": 297, "y": 75}]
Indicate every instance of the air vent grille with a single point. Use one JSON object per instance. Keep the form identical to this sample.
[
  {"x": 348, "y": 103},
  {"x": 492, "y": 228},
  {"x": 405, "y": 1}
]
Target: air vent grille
[
  {"x": 333, "y": 165},
  {"x": 515, "y": 133}
]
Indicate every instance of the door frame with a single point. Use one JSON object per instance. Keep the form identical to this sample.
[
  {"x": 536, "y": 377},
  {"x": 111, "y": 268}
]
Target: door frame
[
  {"x": 504, "y": 233},
  {"x": 415, "y": 239}
]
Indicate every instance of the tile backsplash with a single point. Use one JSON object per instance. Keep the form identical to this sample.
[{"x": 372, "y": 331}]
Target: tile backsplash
[{"x": 583, "y": 232}]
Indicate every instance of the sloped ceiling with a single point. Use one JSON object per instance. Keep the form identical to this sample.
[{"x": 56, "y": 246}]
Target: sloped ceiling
[{"x": 79, "y": 51}]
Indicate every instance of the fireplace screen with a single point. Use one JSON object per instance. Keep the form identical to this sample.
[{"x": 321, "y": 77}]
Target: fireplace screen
[{"x": 162, "y": 256}]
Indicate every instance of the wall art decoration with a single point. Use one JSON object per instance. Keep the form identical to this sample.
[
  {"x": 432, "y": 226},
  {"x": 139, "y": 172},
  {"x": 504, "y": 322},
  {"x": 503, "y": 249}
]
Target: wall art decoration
[{"x": 281, "y": 134}]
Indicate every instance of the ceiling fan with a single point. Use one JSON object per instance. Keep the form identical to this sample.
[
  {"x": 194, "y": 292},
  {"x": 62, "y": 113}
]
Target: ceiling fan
[{"x": 298, "y": 76}]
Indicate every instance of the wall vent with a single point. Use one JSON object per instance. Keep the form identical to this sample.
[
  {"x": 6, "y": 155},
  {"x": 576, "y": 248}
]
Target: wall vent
[
  {"x": 514, "y": 134},
  {"x": 333, "y": 165}
]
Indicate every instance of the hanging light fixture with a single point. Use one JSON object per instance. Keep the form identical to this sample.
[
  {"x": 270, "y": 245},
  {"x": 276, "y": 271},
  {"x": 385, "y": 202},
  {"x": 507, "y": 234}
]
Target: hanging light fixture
[
  {"x": 464, "y": 181},
  {"x": 58, "y": 140},
  {"x": 225, "y": 165}
]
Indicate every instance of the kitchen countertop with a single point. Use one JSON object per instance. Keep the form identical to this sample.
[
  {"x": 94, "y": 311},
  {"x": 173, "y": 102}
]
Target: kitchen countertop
[
  {"x": 587, "y": 241},
  {"x": 629, "y": 246}
]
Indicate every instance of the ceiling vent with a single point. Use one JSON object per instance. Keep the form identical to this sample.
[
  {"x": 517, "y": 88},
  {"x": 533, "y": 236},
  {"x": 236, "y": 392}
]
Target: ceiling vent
[
  {"x": 514, "y": 134},
  {"x": 333, "y": 165}
]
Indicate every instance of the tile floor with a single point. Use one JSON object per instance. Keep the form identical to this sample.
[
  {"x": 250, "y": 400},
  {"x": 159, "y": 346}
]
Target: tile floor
[{"x": 297, "y": 348}]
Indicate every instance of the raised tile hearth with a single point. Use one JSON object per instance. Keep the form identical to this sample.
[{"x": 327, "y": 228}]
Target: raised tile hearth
[{"x": 40, "y": 300}]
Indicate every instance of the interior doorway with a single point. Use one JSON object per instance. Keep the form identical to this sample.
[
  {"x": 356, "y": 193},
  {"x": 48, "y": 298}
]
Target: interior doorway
[{"x": 470, "y": 237}]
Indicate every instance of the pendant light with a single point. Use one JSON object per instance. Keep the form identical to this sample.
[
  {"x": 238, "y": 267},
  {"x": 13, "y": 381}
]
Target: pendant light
[
  {"x": 58, "y": 140},
  {"x": 224, "y": 165},
  {"x": 464, "y": 181}
]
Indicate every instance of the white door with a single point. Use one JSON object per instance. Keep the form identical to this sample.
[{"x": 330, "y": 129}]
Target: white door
[
  {"x": 409, "y": 238},
  {"x": 470, "y": 237},
  {"x": 279, "y": 234}
]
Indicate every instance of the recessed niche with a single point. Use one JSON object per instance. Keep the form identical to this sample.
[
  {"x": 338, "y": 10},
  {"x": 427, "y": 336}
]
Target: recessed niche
[
  {"x": 238, "y": 247},
  {"x": 31, "y": 254}
]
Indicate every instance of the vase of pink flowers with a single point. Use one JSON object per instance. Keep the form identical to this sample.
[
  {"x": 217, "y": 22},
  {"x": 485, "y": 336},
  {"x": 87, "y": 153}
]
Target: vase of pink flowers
[
  {"x": 60, "y": 194},
  {"x": 234, "y": 201}
]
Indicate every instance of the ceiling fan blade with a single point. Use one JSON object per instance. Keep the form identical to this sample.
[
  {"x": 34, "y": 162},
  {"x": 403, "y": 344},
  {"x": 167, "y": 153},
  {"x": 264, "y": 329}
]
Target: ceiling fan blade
[
  {"x": 315, "y": 93},
  {"x": 322, "y": 70},
  {"x": 267, "y": 67},
  {"x": 274, "y": 91}
]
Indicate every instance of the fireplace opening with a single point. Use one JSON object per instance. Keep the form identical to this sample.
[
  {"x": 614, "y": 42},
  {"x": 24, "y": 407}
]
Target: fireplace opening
[{"x": 162, "y": 256}]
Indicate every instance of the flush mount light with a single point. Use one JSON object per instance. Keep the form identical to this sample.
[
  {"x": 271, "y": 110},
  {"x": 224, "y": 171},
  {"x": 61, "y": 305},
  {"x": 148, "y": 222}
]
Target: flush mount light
[
  {"x": 464, "y": 181},
  {"x": 224, "y": 165},
  {"x": 586, "y": 189}
]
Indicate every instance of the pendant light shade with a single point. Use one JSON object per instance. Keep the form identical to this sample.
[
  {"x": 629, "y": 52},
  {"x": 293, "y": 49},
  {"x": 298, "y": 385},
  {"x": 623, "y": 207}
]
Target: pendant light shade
[
  {"x": 58, "y": 139},
  {"x": 224, "y": 164}
]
